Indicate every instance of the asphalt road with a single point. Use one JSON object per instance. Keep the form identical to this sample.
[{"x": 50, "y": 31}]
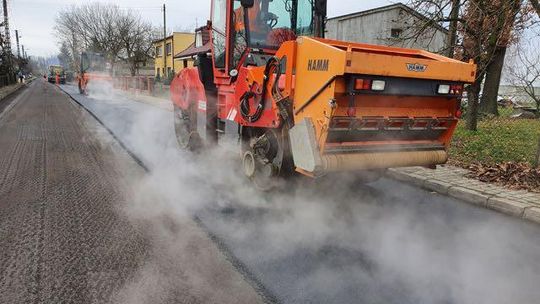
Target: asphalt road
[
  {"x": 69, "y": 228},
  {"x": 332, "y": 241}
]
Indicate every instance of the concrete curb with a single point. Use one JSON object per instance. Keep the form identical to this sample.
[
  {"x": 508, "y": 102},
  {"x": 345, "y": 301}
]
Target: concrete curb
[
  {"x": 13, "y": 90},
  {"x": 504, "y": 204}
]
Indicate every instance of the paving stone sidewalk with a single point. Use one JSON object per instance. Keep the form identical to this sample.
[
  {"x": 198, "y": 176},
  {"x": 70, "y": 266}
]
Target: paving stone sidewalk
[
  {"x": 452, "y": 181},
  {"x": 159, "y": 102}
]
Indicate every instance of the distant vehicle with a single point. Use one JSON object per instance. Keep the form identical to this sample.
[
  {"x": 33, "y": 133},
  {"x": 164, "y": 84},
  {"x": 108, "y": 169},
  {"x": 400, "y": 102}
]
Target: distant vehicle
[
  {"x": 55, "y": 70},
  {"x": 93, "y": 68}
]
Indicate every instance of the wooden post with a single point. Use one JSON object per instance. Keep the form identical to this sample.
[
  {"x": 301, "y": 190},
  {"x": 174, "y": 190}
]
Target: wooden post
[
  {"x": 538, "y": 155},
  {"x": 150, "y": 85}
]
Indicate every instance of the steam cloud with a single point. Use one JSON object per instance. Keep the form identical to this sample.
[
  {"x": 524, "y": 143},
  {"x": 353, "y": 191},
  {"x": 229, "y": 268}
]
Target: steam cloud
[{"x": 391, "y": 245}]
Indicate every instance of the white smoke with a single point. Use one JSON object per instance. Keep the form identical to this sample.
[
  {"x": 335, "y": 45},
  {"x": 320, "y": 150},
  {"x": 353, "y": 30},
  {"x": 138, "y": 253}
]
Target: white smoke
[{"x": 429, "y": 254}]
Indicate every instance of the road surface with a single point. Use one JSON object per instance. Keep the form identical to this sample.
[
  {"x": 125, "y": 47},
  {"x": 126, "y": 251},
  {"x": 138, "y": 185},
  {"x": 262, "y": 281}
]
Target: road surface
[
  {"x": 68, "y": 232},
  {"x": 333, "y": 241}
]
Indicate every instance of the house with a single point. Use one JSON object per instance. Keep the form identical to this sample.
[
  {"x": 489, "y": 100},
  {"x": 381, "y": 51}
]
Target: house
[
  {"x": 164, "y": 63},
  {"x": 390, "y": 25},
  {"x": 201, "y": 44}
]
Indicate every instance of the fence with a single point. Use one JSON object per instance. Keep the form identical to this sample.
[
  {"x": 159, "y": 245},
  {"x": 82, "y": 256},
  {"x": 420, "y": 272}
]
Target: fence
[
  {"x": 138, "y": 84},
  {"x": 7, "y": 79}
]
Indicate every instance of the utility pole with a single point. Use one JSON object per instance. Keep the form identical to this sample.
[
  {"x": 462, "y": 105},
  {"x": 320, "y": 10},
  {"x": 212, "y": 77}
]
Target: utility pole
[
  {"x": 164, "y": 41},
  {"x": 23, "y": 54},
  {"x": 7, "y": 42},
  {"x": 452, "y": 35},
  {"x": 18, "y": 48}
]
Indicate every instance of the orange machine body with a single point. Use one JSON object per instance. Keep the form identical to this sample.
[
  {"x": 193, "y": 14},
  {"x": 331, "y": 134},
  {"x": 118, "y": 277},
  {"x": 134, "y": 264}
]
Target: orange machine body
[{"x": 336, "y": 105}]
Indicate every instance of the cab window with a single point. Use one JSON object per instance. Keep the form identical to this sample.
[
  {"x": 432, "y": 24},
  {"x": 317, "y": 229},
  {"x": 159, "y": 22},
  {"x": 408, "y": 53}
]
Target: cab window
[
  {"x": 238, "y": 34},
  {"x": 219, "y": 22}
]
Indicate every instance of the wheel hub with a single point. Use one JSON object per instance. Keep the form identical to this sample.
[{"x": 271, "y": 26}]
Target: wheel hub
[{"x": 249, "y": 164}]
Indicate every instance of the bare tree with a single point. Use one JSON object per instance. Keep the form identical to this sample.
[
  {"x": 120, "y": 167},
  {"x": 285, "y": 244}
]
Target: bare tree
[
  {"x": 524, "y": 72},
  {"x": 97, "y": 27},
  {"x": 136, "y": 38},
  {"x": 65, "y": 56},
  {"x": 443, "y": 13},
  {"x": 120, "y": 35},
  {"x": 453, "y": 28},
  {"x": 507, "y": 23},
  {"x": 484, "y": 29},
  {"x": 536, "y": 6}
]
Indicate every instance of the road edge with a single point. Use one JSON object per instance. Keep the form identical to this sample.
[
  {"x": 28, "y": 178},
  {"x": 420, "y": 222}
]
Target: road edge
[
  {"x": 504, "y": 205},
  {"x": 14, "y": 102}
]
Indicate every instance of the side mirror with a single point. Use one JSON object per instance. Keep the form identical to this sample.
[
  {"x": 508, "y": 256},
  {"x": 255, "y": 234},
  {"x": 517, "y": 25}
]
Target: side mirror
[{"x": 247, "y": 3}]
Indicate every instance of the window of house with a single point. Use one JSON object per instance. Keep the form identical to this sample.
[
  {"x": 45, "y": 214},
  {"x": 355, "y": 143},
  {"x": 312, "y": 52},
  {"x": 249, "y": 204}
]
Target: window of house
[
  {"x": 185, "y": 63},
  {"x": 168, "y": 48},
  {"x": 159, "y": 51},
  {"x": 169, "y": 71},
  {"x": 396, "y": 33},
  {"x": 158, "y": 75}
]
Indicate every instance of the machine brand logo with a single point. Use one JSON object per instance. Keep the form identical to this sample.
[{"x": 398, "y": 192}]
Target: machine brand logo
[
  {"x": 318, "y": 64},
  {"x": 416, "y": 67}
]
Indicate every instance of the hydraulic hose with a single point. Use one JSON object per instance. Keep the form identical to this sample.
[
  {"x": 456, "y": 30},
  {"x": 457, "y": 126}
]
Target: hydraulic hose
[{"x": 245, "y": 108}]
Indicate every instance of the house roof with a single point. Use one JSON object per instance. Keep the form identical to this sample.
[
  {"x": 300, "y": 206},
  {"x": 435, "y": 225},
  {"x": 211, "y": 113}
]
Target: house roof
[
  {"x": 398, "y": 5},
  {"x": 161, "y": 40},
  {"x": 192, "y": 50}
]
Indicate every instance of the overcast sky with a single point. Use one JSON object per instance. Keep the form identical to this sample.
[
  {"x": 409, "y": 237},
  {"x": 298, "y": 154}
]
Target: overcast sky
[{"x": 35, "y": 18}]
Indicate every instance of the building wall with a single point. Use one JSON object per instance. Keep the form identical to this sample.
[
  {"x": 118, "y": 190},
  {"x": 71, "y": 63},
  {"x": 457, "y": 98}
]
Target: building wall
[
  {"x": 178, "y": 42},
  {"x": 376, "y": 28},
  {"x": 181, "y": 42}
]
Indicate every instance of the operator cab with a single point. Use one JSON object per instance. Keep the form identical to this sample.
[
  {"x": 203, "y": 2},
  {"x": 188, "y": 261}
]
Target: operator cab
[
  {"x": 258, "y": 28},
  {"x": 269, "y": 23}
]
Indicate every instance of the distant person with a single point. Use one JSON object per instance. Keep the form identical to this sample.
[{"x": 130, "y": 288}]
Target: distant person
[
  {"x": 21, "y": 77},
  {"x": 57, "y": 79}
]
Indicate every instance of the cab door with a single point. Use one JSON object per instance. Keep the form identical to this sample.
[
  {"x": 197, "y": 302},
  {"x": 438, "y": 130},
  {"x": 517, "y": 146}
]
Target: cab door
[{"x": 220, "y": 39}]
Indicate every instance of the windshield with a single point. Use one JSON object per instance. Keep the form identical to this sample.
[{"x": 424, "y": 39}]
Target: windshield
[{"x": 272, "y": 22}]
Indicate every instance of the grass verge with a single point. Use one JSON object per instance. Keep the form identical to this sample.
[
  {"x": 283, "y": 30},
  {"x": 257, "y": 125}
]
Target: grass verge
[{"x": 497, "y": 141}]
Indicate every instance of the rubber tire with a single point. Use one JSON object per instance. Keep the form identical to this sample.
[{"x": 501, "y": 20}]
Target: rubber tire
[{"x": 187, "y": 137}]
